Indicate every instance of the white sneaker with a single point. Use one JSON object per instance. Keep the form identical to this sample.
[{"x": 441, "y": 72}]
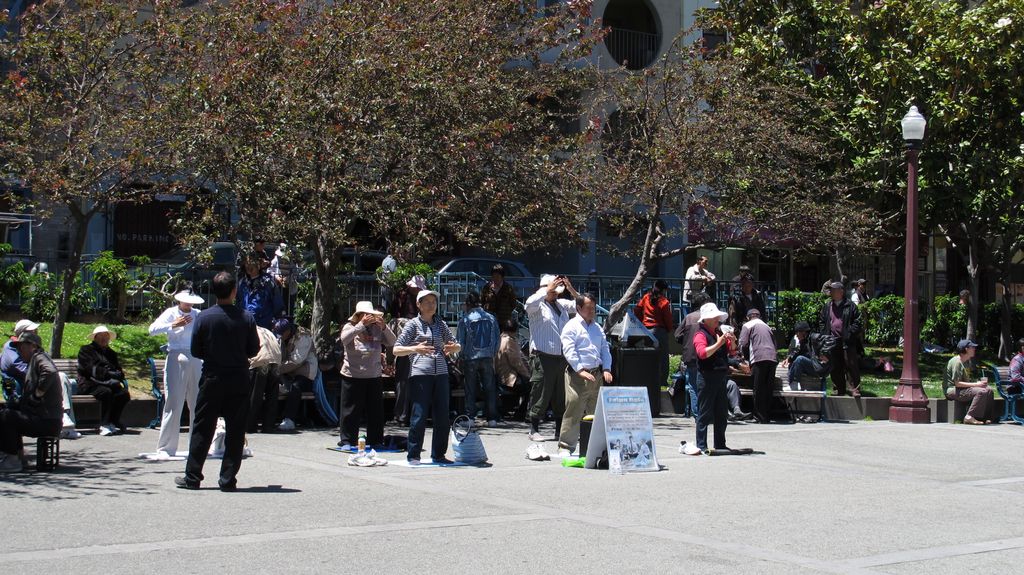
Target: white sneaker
[
  {"x": 10, "y": 463},
  {"x": 564, "y": 453},
  {"x": 535, "y": 436},
  {"x": 108, "y": 429},
  {"x": 70, "y": 433},
  {"x": 287, "y": 425}
]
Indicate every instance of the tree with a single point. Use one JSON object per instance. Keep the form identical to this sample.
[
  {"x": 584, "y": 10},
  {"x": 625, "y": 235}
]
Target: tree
[
  {"x": 427, "y": 122},
  {"x": 695, "y": 135},
  {"x": 959, "y": 62},
  {"x": 81, "y": 124}
]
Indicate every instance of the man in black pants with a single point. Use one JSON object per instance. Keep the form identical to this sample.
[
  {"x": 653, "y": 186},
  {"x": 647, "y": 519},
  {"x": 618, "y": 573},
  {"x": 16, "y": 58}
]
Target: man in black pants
[
  {"x": 840, "y": 318},
  {"x": 224, "y": 337}
]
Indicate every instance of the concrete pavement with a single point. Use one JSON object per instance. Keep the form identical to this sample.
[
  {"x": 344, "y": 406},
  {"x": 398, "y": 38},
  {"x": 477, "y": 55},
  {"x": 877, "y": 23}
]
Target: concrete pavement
[{"x": 867, "y": 497}]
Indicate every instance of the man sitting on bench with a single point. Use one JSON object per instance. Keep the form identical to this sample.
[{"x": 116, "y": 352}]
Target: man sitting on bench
[
  {"x": 15, "y": 368},
  {"x": 961, "y": 384},
  {"x": 40, "y": 407},
  {"x": 297, "y": 370},
  {"x": 100, "y": 375},
  {"x": 808, "y": 354}
]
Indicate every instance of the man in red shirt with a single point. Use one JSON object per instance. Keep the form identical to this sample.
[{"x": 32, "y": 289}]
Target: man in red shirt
[{"x": 655, "y": 311}]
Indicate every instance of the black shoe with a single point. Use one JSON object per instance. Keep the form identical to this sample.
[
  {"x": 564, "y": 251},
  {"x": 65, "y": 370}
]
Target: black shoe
[
  {"x": 183, "y": 483},
  {"x": 443, "y": 461},
  {"x": 230, "y": 487}
]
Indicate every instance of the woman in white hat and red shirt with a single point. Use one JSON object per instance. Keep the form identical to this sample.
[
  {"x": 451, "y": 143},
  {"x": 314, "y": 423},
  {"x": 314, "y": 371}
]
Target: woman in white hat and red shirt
[
  {"x": 364, "y": 338},
  {"x": 181, "y": 371},
  {"x": 101, "y": 376},
  {"x": 712, "y": 351}
]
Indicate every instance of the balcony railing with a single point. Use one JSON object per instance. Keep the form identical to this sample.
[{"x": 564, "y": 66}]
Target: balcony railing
[{"x": 631, "y": 48}]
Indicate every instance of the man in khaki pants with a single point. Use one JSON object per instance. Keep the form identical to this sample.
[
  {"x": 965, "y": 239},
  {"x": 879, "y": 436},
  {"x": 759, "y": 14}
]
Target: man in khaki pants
[{"x": 590, "y": 362}]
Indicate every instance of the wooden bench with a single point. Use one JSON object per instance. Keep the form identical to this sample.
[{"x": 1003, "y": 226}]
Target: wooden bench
[{"x": 780, "y": 389}]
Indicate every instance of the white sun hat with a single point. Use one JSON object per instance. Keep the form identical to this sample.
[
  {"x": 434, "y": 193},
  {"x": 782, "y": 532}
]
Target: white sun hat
[
  {"x": 545, "y": 281},
  {"x": 186, "y": 296},
  {"x": 102, "y": 329},
  {"x": 364, "y": 307},
  {"x": 710, "y": 311}
]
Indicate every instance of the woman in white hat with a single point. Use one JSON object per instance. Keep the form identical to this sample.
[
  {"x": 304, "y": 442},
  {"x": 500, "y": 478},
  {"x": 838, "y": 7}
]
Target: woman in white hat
[
  {"x": 101, "y": 376},
  {"x": 181, "y": 371},
  {"x": 364, "y": 338},
  {"x": 712, "y": 350},
  {"x": 428, "y": 341}
]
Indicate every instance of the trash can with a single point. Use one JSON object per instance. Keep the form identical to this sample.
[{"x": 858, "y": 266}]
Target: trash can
[{"x": 635, "y": 359}]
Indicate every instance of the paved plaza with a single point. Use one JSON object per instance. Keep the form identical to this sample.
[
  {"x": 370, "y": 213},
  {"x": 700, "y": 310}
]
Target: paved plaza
[{"x": 865, "y": 497}]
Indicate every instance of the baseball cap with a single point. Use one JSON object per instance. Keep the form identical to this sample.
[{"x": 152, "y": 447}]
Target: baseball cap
[
  {"x": 964, "y": 344},
  {"x": 24, "y": 325},
  {"x": 28, "y": 338},
  {"x": 282, "y": 325},
  {"x": 425, "y": 293},
  {"x": 836, "y": 285}
]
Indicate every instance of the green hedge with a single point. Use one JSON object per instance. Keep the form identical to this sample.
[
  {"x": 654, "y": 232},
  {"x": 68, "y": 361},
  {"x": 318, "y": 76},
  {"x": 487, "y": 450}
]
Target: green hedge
[
  {"x": 947, "y": 321},
  {"x": 883, "y": 320},
  {"x": 988, "y": 325},
  {"x": 793, "y": 306}
]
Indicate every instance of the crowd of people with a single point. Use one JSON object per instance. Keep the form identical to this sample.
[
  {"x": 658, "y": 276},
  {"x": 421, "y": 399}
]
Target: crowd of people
[{"x": 235, "y": 359}]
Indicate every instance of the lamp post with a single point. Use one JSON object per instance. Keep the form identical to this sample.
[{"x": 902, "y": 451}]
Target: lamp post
[{"x": 909, "y": 403}]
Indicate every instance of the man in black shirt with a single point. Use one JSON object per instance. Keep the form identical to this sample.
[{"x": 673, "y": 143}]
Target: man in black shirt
[{"x": 224, "y": 337}]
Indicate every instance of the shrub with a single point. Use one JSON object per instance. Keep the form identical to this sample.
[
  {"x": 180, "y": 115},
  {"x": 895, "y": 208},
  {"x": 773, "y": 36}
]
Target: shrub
[
  {"x": 13, "y": 277},
  {"x": 947, "y": 321},
  {"x": 398, "y": 278},
  {"x": 41, "y": 293},
  {"x": 794, "y": 306},
  {"x": 883, "y": 320},
  {"x": 989, "y": 325}
]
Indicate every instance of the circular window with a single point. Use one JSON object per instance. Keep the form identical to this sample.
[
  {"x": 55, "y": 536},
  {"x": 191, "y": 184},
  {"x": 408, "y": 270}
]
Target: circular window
[{"x": 634, "y": 38}]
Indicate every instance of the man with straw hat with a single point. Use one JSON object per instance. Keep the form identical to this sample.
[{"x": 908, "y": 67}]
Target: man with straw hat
[
  {"x": 101, "y": 376},
  {"x": 181, "y": 371}
]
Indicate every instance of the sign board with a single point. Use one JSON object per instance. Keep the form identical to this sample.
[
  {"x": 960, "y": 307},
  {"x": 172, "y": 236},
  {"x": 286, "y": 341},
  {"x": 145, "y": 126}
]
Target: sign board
[{"x": 623, "y": 430}]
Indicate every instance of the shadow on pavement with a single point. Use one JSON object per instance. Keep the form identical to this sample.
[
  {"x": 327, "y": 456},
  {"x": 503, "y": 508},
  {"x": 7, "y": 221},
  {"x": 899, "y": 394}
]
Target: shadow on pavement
[{"x": 79, "y": 474}]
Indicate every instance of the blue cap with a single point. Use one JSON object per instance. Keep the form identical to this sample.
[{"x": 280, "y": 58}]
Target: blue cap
[
  {"x": 964, "y": 344},
  {"x": 282, "y": 325}
]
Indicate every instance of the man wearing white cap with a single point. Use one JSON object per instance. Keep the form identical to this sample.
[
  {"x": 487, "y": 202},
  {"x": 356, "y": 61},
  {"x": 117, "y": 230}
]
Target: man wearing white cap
[
  {"x": 283, "y": 271},
  {"x": 181, "y": 371},
  {"x": 100, "y": 375},
  {"x": 15, "y": 368},
  {"x": 548, "y": 315}
]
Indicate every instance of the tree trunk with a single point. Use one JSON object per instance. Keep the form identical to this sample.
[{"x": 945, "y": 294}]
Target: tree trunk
[
  {"x": 650, "y": 246},
  {"x": 81, "y": 223},
  {"x": 122, "y": 304},
  {"x": 323, "y": 294},
  {"x": 840, "y": 254},
  {"x": 1006, "y": 346},
  {"x": 973, "y": 267}
]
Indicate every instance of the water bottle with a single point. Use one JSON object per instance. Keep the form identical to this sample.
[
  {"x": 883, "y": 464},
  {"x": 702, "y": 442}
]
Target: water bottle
[{"x": 362, "y": 444}]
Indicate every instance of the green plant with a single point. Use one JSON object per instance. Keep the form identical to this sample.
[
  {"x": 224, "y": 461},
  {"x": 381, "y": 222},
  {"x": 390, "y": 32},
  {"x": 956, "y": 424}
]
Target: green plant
[
  {"x": 12, "y": 277},
  {"x": 41, "y": 292},
  {"x": 988, "y": 327},
  {"x": 883, "y": 320},
  {"x": 398, "y": 278},
  {"x": 794, "y": 306},
  {"x": 947, "y": 321},
  {"x": 303, "y": 310}
]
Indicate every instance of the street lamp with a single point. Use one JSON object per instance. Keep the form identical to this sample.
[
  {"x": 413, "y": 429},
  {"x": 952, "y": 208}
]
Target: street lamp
[{"x": 909, "y": 403}]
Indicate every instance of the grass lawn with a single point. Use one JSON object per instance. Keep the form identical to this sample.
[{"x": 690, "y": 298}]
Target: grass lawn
[
  {"x": 878, "y": 383},
  {"x": 133, "y": 345}
]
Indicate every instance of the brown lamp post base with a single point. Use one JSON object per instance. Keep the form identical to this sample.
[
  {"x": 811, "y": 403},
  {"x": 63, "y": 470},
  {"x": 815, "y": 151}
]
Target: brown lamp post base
[{"x": 909, "y": 414}]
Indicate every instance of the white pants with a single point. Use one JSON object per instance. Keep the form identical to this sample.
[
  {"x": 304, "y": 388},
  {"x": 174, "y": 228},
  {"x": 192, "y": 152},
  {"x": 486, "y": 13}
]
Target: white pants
[
  {"x": 181, "y": 384},
  {"x": 66, "y": 392}
]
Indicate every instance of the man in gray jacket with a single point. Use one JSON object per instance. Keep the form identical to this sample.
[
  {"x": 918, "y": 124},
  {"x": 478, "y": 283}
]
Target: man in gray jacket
[
  {"x": 757, "y": 343},
  {"x": 298, "y": 368},
  {"x": 40, "y": 408}
]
